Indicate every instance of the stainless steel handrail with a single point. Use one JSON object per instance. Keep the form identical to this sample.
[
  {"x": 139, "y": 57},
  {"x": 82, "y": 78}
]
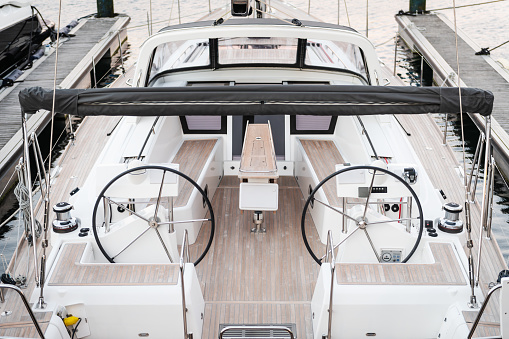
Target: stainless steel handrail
[
  {"x": 481, "y": 311},
  {"x": 27, "y": 306},
  {"x": 330, "y": 258},
  {"x": 230, "y": 328},
  {"x": 475, "y": 168},
  {"x": 184, "y": 258},
  {"x": 485, "y": 193}
]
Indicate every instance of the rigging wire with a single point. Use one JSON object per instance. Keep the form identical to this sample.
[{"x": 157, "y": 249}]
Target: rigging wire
[
  {"x": 347, "y": 15},
  {"x": 472, "y": 277},
  {"x": 460, "y": 101},
  {"x": 367, "y": 18},
  {"x": 151, "y": 17},
  {"x": 48, "y": 174},
  {"x": 339, "y": 9},
  {"x": 171, "y": 11}
]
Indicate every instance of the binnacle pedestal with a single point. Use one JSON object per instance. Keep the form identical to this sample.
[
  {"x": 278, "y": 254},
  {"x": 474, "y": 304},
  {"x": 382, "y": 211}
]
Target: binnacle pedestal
[{"x": 258, "y": 175}]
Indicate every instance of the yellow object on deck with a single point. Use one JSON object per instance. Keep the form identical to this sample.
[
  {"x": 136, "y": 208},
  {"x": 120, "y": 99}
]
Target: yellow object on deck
[{"x": 69, "y": 321}]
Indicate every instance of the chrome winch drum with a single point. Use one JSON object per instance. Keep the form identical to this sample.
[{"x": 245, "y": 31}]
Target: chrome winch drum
[
  {"x": 450, "y": 223},
  {"x": 64, "y": 223}
]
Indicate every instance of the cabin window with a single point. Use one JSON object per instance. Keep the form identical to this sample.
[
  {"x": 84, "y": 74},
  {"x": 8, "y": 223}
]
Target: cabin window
[
  {"x": 179, "y": 54},
  {"x": 257, "y": 51},
  {"x": 311, "y": 124},
  {"x": 335, "y": 54},
  {"x": 208, "y": 124}
]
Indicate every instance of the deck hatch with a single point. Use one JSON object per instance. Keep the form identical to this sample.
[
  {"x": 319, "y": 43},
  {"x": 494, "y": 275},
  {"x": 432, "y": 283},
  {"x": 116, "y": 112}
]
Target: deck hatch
[{"x": 258, "y": 331}]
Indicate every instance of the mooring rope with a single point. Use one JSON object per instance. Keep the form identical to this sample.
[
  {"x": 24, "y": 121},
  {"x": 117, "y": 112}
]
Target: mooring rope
[{"x": 462, "y": 6}]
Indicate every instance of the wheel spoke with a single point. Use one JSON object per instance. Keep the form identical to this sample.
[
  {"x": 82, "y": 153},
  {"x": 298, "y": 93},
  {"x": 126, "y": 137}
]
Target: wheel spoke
[
  {"x": 369, "y": 195},
  {"x": 371, "y": 243},
  {"x": 182, "y": 221},
  {"x": 391, "y": 220},
  {"x": 132, "y": 242},
  {"x": 159, "y": 197},
  {"x": 336, "y": 210},
  {"x": 164, "y": 245},
  {"x": 342, "y": 241},
  {"x": 124, "y": 207}
]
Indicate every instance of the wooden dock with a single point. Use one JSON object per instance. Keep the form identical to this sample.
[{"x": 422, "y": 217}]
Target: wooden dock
[
  {"x": 432, "y": 36},
  {"x": 94, "y": 38}
]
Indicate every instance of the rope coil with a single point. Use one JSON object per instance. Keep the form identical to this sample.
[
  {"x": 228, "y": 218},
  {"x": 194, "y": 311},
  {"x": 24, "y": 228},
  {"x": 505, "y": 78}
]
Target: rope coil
[{"x": 23, "y": 196}]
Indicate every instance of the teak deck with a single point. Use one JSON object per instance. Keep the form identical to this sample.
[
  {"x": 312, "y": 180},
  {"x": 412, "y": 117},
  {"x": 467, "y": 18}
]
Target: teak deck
[
  {"x": 441, "y": 166},
  {"x": 445, "y": 271},
  {"x": 324, "y": 156},
  {"x": 70, "y": 272},
  {"x": 191, "y": 157},
  {"x": 258, "y": 156},
  {"x": 258, "y": 278}
]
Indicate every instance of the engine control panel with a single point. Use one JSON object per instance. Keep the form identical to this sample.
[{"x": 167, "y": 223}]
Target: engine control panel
[{"x": 391, "y": 255}]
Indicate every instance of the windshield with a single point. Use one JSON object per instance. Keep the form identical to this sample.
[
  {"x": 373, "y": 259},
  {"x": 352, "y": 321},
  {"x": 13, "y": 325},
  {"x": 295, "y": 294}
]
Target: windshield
[
  {"x": 335, "y": 54},
  {"x": 257, "y": 50},
  {"x": 246, "y": 51}
]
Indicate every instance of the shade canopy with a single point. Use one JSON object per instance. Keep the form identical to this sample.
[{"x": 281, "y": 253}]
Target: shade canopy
[{"x": 334, "y": 100}]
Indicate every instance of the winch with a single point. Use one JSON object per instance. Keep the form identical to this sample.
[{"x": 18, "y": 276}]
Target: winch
[
  {"x": 64, "y": 223},
  {"x": 450, "y": 223}
]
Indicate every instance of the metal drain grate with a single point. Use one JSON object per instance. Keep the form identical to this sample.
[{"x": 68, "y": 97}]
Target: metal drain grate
[{"x": 257, "y": 331}]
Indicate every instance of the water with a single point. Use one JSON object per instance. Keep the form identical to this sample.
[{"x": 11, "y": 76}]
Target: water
[{"x": 483, "y": 24}]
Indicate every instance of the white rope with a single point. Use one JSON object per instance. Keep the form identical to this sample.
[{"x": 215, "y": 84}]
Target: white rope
[{"x": 22, "y": 194}]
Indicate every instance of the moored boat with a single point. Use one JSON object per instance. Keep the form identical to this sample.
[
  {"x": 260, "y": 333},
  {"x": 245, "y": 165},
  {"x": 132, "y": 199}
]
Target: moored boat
[
  {"x": 258, "y": 184},
  {"x": 22, "y": 33}
]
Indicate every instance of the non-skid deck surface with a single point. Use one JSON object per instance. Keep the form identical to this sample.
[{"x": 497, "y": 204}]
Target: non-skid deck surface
[
  {"x": 441, "y": 166},
  {"x": 324, "y": 156},
  {"x": 445, "y": 271},
  {"x": 191, "y": 157},
  {"x": 250, "y": 278},
  {"x": 69, "y": 271}
]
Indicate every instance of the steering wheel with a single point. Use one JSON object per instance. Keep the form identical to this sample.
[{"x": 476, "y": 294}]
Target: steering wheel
[
  {"x": 152, "y": 223},
  {"x": 362, "y": 223}
]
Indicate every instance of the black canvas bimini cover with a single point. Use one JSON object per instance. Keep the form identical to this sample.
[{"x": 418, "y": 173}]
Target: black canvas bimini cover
[{"x": 332, "y": 100}]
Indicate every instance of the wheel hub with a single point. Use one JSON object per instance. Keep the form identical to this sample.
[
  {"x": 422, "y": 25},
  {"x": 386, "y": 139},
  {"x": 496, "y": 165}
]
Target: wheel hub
[
  {"x": 362, "y": 222},
  {"x": 154, "y": 223}
]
